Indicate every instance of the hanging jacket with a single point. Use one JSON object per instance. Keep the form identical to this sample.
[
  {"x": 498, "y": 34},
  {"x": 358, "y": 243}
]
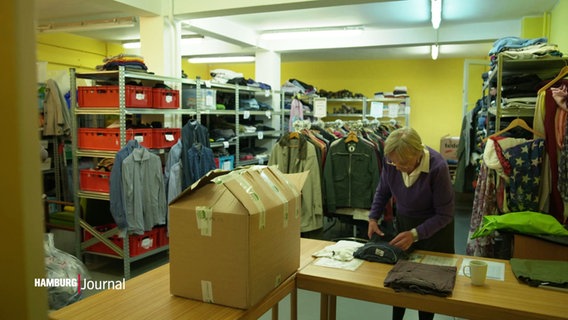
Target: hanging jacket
[
  {"x": 192, "y": 132},
  {"x": 144, "y": 191},
  {"x": 351, "y": 175},
  {"x": 116, "y": 194},
  {"x": 57, "y": 118},
  {"x": 298, "y": 155}
]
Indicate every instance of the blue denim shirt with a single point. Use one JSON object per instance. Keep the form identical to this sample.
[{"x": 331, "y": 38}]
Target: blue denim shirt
[
  {"x": 201, "y": 161},
  {"x": 116, "y": 195}
]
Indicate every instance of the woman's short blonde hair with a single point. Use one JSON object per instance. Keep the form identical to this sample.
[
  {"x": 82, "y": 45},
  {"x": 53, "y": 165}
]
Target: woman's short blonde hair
[{"x": 404, "y": 142}]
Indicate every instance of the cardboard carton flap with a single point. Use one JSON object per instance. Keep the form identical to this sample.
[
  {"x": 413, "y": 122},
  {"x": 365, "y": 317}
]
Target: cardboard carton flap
[{"x": 206, "y": 179}]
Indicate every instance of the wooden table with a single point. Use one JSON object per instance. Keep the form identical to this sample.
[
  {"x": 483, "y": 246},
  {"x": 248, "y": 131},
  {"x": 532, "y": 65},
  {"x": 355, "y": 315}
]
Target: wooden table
[
  {"x": 502, "y": 300},
  {"x": 148, "y": 297}
]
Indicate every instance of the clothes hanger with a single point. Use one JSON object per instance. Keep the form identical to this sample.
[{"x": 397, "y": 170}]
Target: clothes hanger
[
  {"x": 351, "y": 137},
  {"x": 518, "y": 122},
  {"x": 563, "y": 72},
  {"x": 294, "y": 135}
]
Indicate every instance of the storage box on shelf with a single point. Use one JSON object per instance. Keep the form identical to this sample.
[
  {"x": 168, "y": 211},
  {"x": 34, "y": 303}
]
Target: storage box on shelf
[
  {"x": 163, "y": 237},
  {"x": 225, "y": 162},
  {"x": 138, "y": 244},
  {"x": 108, "y": 97},
  {"x": 165, "y": 98},
  {"x": 206, "y": 100},
  {"x": 109, "y": 139},
  {"x": 94, "y": 180},
  {"x": 165, "y": 137},
  {"x": 257, "y": 213}
]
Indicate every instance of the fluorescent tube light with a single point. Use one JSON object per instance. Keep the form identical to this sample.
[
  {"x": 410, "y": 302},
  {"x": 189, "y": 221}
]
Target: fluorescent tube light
[
  {"x": 311, "y": 32},
  {"x": 435, "y": 50},
  {"x": 191, "y": 39},
  {"x": 234, "y": 59},
  {"x": 186, "y": 39},
  {"x": 131, "y": 45},
  {"x": 101, "y": 24},
  {"x": 436, "y": 10}
]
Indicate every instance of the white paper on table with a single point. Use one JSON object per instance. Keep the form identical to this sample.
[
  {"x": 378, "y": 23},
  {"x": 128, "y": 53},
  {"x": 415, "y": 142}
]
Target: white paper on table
[
  {"x": 495, "y": 270},
  {"x": 435, "y": 260}
]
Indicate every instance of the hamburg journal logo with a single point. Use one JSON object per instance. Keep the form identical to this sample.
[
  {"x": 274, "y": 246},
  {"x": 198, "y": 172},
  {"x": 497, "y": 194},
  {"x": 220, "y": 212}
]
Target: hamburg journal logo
[{"x": 80, "y": 284}]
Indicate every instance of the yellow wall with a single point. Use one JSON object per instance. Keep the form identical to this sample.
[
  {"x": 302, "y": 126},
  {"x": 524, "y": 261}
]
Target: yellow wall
[
  {"x": 435, "y": 87},
  {"x": 535, "y": 27},
  {"x": 63, "y": 51},
  {"x": 558, "y": 30}
]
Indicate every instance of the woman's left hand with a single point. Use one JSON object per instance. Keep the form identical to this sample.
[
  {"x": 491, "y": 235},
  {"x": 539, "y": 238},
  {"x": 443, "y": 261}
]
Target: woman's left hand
[{"x": 403, "y": 240}]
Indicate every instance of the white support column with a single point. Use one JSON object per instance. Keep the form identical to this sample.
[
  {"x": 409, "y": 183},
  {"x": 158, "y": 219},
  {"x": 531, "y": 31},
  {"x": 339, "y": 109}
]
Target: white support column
[
  {"x": 160, "y": 39},
  {"x": 159, "y": 42},
  {"x": 267, "y": 70}
]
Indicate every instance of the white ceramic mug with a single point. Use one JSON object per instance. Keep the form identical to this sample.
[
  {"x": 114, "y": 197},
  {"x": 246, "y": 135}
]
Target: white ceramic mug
[{"x": 476, "y": 270}]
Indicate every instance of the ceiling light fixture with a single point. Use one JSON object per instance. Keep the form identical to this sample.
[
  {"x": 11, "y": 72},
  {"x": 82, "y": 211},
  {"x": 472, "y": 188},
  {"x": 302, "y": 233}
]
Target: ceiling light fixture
[
  {"x": 435, "y": 50},
  {"x": 233, "y": 59},
  {"x": 131, "y": 44},
  {"x": 436, "y": 10},
  {"x": 192, "y": 39},
  {"x": 311, "y": 33},
  {"x": 185, "y": 39},
  {"x": 100, "y": 24}
]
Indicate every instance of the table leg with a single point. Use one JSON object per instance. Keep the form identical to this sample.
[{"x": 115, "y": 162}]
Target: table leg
[
  {"x": 332, "y": 307},
  {"x": 324, "y": 306},
  {"x": 294, "y": 304},
  {"x": 275, "y": 312}
]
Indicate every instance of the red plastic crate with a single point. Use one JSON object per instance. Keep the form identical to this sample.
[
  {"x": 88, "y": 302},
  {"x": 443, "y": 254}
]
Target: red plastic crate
[
  {"x": 94, "y": 180},
  {"x": 109, "y": 139},
  {"x": 163, "y": 238},
  {"x": 165, "y": 98},
  {"x": 165, "y": 138},
  {"x": 138, "y": 244},
  {"x": 107, "y": 97}
]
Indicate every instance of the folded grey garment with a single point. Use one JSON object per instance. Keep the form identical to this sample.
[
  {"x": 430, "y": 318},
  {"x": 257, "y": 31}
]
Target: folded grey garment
[{"x": 408, "y": 276}]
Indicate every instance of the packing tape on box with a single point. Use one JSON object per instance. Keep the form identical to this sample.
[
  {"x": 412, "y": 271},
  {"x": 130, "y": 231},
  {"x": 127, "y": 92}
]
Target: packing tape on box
[
  {"x": 207, "y": 291},
  {"x": 280, "y": 196},
  {"x": 280, "y": 176},
  {"x": 204, "y": 220},
  {"x": 236, "y": 175},
  {"x": 277, "y": 280}
]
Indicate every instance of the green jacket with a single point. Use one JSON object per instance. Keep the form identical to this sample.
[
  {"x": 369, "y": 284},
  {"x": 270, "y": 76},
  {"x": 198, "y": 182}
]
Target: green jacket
[{"x": 351, "y": 175}]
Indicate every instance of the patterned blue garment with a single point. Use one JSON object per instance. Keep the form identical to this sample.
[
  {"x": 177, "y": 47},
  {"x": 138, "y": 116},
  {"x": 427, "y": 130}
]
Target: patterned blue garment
[{"x": 526, "y": 162}]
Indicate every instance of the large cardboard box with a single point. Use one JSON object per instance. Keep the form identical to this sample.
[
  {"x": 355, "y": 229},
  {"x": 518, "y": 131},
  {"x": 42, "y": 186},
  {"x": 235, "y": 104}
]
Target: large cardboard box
[
  {"x": 235, "y": 236},
  {"x": 449, "y": 147}
]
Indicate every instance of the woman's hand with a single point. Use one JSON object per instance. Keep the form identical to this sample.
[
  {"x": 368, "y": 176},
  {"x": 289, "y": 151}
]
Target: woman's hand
[
  {"x": 403, "y": 240},
  {"x": 374, "y": 228},
  {"x": 560, "y": 95}
]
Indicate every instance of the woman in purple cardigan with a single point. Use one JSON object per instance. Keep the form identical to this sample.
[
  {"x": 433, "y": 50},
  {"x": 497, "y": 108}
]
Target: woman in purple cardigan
[{"x": 418, "y": 179}]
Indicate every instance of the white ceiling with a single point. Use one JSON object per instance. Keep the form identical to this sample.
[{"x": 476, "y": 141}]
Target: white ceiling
[{"x": 392, "y": 29}]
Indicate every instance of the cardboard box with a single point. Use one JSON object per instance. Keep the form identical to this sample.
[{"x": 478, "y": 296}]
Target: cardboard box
[
  {"x": 449, "y": 147},
  {"x": 235, "y": 236}
]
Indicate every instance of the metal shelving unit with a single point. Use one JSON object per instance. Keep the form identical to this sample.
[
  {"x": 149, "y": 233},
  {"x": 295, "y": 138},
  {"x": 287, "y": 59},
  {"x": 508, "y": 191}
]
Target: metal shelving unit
[
  {"x": 239, "y": 113},
  {"x": 543, "y": 67},
  {"x": 121, "y": 111}
]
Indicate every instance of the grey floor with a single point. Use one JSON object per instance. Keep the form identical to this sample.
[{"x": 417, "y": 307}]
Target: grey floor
[{"x": 102, "y": 268}]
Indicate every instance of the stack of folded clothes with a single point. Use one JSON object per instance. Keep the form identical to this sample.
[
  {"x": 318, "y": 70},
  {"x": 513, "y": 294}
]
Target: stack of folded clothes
[
  {"x": 421, "y": 278},
  {"x": 130, "y": 62}
]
